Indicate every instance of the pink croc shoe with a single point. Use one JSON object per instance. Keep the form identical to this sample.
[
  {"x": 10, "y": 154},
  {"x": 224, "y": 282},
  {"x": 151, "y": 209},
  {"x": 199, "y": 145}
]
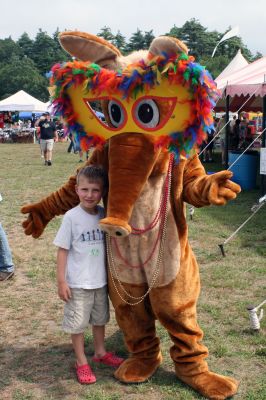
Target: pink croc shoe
[
  {"x": 84, "y": 374},
  {"x": 109, "y": 359}
]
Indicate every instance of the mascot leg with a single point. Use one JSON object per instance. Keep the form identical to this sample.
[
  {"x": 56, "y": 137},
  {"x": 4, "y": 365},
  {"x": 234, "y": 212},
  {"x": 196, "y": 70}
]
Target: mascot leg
[
  {"x": 138, "y": 326},
  {"x": 175, "y": 307}
]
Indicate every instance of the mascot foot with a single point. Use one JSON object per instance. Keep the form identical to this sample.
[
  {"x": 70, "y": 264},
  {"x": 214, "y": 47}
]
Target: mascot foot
[
  {"x": 212, "y": 386},
  {"x": 137, "y": 370}
]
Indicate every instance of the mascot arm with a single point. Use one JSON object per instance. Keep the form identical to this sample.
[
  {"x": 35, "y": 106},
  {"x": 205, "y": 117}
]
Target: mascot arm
[
  {"x": 56, "y": 203},
  {"x": 201, "y": 189}
]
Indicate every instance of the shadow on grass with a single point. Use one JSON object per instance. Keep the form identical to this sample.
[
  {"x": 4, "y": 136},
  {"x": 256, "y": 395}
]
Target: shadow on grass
[
  {"x": 51, "y": 370},
  {"x": 51, "y": 367}
]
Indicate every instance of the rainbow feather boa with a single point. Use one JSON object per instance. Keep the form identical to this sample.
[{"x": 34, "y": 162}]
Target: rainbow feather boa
[{"x": 138, "y": 78}]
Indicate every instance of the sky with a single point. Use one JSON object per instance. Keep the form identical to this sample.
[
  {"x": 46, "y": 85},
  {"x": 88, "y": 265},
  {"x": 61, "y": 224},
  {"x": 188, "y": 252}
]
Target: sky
[{"x": 19, "y": 16}]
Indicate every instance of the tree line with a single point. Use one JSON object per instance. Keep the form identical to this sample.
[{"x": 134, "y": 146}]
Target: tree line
[{"x": 24, "y": 63}]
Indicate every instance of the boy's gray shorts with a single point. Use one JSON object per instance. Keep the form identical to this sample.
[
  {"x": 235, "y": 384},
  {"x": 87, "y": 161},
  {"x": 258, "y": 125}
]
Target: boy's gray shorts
[{"x": 86, "y": 306}]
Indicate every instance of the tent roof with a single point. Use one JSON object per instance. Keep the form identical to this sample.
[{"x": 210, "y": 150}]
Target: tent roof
[
  {"x": 22, "y": 101},
  {"x": 247, "y": 84},
  {"x": 236, "y": 64},
  {"x": 246, "y": 80}
]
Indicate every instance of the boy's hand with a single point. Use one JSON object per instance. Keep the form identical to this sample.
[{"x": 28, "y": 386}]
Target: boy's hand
[{"x": 64, "y": 291}]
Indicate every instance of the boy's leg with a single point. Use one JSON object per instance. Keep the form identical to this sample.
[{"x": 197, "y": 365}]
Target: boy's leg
[
  {"x": 99, "y": 316},
  {"x": 78, "y": 345},
  {"x": 83, "y": 370},
  {"x": 98, "y": 339}
]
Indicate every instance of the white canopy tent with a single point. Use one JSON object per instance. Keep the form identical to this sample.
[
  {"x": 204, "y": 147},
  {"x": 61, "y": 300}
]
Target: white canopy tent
[
  {"x": 22, "y": 101},
  {"x": 237, "y": 63}
]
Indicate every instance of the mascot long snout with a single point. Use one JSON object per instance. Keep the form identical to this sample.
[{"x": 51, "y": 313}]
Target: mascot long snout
[{"x": 132, "y": 157}]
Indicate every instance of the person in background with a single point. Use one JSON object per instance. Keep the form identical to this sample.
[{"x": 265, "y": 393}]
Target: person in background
[
  {"x": 77, "y": 149},
  {"x": 232, "y": 123},
  {"x": 235, "y": 135},
  {"x": 48, "y": 136},
  {"x": 81, "y": 272},
  {"x": 71, "y": 144},
  {"x": 221, "y": 127},
  {"x": 243, "y": 130},
  {"x": 208, "y": 150},
  {"x": 6, "y": 263}
]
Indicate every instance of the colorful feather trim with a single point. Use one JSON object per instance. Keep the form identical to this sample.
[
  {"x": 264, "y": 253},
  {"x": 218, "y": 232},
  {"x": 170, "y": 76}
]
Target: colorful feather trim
[{"x": 139, "y": 78}]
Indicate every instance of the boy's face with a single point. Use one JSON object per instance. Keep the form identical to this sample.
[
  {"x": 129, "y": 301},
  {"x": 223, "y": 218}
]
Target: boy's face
[{"x": 89, "y": 193}]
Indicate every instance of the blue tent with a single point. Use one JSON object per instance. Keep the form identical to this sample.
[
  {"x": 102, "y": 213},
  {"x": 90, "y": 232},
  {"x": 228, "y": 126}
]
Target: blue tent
[{"x": 28, "y": 115}]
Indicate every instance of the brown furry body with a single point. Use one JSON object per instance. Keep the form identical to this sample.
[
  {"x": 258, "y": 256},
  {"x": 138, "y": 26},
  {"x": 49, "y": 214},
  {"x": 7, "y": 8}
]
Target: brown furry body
[{"x": 136, "y": 179}]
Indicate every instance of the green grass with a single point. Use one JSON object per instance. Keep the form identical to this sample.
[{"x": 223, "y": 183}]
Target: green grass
[{"x": 36, "y": 359}]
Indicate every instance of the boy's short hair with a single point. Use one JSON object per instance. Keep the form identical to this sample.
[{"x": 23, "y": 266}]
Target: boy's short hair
[{"x": 94, "y": 173}]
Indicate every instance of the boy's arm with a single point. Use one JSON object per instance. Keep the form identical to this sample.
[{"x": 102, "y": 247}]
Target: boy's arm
[
  {"x": 64, "y": 291},
  {"x": 57, "y": 203}
]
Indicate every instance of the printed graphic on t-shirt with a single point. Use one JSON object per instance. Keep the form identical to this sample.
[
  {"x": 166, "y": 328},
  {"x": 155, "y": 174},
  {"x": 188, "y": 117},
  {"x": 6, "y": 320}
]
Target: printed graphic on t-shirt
[
  {"x": 93, "y": 238},
  {"x": 95, "y": 235}
]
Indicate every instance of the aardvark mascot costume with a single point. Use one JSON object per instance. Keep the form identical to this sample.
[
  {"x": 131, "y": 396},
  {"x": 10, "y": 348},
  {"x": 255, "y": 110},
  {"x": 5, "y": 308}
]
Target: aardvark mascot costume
[{"x": 157, "y": 105}]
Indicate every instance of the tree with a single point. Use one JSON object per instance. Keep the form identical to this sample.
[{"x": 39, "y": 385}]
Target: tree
[
  {"x": 119, "y": 41},
  {"x": 8, "y": 48},
  {"x": 257, "y": 56},
  {"x": 193, "y": 34},
  {"x": 106, "y": 33},
  {"x": 148, "y": 38},
  {"x": 136, "y": 41},
  {"x": 26, "y": 44},
  {"x": 45, "y": 52},
  {"x": 230, "y": 47},
  {"x": 215, "y": 65},
  {"x": 201, "y": 44},
  {"x": 174, "y": 32},
  {"x": 60, "y": 53},
  {"x": 21, "y": 74}
]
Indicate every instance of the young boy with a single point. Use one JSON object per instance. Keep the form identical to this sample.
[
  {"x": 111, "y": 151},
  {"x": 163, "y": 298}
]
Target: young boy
[{"x": 81, "y": 272}]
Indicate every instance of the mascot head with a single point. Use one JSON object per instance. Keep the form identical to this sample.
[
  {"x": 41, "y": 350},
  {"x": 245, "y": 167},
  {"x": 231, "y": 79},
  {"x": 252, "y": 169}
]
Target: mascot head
[
  {"x": 154, "y": 102},
  {"x": 160, "y": 92}
]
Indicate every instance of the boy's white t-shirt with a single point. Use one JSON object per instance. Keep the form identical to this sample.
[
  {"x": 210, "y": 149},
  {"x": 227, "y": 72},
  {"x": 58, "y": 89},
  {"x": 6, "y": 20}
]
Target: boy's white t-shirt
[{"x": 80, "y": 234}]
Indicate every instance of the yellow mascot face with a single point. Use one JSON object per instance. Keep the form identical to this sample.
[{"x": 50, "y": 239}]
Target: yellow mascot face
[
  {"x": 164, "y": 109},
  {"x": 168, "y": 96}
]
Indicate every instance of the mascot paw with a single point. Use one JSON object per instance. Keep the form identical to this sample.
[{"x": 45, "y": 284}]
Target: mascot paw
[
  {"x": 222, "y": 189},
  {"x": 35, "y": 223},
  {"x": 212, "y": 386},
  {"x": 137, "y": 370}
]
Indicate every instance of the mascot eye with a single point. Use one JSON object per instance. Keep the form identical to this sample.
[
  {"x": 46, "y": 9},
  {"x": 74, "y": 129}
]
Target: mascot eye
[
  {"x": 147, "y": 113},
  {"x": 116, "y": 113}
]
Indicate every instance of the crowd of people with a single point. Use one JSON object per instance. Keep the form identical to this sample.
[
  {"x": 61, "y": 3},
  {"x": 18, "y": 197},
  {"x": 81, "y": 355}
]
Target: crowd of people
[{"x": 239, "y": 136}]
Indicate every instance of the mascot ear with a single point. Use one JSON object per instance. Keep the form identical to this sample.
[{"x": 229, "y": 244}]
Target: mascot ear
[
  {"x": 87, "y": 47},
  {"x": 167, "y": 44}
]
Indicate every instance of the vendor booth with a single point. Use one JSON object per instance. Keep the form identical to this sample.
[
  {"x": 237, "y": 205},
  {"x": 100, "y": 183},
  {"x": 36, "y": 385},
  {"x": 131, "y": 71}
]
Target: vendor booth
[
  {"x": 19, "y": 129},
  {"x": 245, "y": 90}
]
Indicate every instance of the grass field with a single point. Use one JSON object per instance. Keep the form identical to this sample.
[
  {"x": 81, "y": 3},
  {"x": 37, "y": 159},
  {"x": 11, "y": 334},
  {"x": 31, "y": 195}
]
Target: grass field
[{"x": 36, "y": 360}]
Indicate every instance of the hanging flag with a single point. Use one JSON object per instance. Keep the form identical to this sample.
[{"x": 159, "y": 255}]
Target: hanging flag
[{"x": 233, "y": 32}]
